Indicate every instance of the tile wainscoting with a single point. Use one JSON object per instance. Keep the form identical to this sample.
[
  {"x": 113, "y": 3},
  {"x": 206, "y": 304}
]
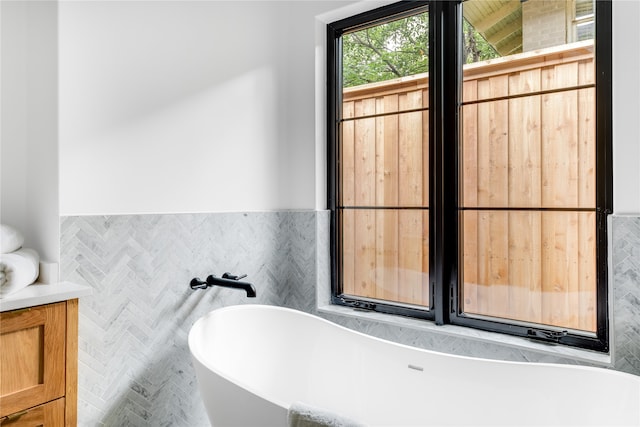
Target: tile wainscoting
[
  {"x": 134, "y": 364},
  {"x": 625, "y": 263},
  {"x": 135, "y": 367}
]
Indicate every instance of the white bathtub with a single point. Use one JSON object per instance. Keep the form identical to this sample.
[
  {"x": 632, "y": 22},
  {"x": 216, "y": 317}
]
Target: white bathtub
[{"x": 252, "y": 362}]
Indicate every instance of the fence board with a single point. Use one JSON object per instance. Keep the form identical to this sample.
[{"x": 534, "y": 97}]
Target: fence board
[
  {"x": 525, "y": 293},
  {"x": 493, "y": 122},
  {"x": 470, "y": 262},
  {"x": 587, "y": 271},
  {"x": 388, "y": 176},
  {"x": 470, "y": 145},
  {"x": 348, "y": 252},
  {"x": 425, "y": 148},
  {"x": 426, "y": 282},
  {"x": 410, "y": 158},
  {"x": 410, "y": 256},
  {"x": 524, "y": 141},
  {"x": 387, "y": 250},
  {"x": 587, "y": 148},
  {"x": 347, "y": 176},
  {"x": 365, "y": 154},
  {"x": 559, "y": 137},
  {"x": 560, "y": 268},
  {"x": 493, "y": 268},
  {"x": 365, "y": 252},
  {"x": 424, "y": 272}
]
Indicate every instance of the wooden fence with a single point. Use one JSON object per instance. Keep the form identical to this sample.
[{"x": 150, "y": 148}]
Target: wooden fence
[{"x": 528, "y": 141}]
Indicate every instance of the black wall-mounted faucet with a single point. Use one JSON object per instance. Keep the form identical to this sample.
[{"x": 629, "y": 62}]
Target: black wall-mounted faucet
[{"x": 226, "y": 281}]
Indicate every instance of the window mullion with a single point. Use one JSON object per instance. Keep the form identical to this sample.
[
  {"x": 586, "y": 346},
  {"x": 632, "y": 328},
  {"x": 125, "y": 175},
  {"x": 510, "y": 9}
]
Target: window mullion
[{"x": 445, "y": 76}]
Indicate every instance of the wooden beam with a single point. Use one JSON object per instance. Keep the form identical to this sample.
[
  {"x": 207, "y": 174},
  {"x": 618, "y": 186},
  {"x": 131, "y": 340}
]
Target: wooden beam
[
  {"x": 513, "y": 27},
  {"x": 510, "y": 46},
  {"x": 497, "y": 16}
]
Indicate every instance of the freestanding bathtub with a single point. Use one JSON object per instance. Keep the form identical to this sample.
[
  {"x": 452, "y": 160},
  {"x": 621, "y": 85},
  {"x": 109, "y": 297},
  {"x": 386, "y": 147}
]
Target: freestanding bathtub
[{"x": 252, "y": 362}]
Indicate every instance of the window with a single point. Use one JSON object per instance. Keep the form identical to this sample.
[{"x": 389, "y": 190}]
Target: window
[
  {"x": 584, "y": 24},
  {"x": 470, "y": 174}
]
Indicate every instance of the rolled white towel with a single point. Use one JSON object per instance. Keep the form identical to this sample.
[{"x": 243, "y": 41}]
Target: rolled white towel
[
  {"x": 20, "y": 268},
  {"x": 10, "y": 239},
  {"x": 303, "y": 415}
]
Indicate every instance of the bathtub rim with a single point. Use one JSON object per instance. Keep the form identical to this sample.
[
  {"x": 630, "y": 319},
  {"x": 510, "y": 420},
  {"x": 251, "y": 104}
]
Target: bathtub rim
[
  {"x": 206, "y": 363},
  {"x": 201, "y": 358}
]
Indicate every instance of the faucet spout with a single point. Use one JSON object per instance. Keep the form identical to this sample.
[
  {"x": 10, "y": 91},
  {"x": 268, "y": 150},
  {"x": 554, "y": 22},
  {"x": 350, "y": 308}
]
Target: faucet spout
[{"x": 232, "y": 283}]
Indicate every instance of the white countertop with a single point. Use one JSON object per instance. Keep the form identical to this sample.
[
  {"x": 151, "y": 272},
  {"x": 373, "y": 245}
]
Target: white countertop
[{"x": 39, "y": 294}]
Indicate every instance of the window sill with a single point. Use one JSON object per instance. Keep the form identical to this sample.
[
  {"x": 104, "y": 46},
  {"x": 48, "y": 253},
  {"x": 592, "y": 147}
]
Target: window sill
[{"x": 600, "y": 359}]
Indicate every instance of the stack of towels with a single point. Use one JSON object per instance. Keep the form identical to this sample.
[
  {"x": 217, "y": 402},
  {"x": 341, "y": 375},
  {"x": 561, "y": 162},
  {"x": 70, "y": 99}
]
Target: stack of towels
[{"x": 19, "y": 267}]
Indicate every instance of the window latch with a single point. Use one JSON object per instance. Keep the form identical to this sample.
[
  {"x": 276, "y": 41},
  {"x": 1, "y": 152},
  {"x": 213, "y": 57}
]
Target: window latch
[
  {"x": 546, "y": 335},
  {"x": 358, "y": 305}
]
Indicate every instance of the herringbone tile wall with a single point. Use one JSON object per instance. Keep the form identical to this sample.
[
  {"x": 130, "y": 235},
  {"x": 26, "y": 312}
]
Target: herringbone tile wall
[
  {"x": 135, "y": 367},
  {"x": 626, "y": 293},
  {"x": 134, "y": 363}
]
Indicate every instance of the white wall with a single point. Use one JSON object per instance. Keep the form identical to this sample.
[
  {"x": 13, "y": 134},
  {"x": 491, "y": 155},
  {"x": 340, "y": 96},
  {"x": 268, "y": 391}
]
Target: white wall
[
  {"x": 208, "y": 106},
  {"x": 626, "y": 106},
  {"x": 29, "y": 118},
  {"x": 186, "y": 106}
]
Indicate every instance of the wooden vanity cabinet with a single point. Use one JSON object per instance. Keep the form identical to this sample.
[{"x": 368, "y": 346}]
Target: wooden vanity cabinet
[{"x": 39, "y": 365}]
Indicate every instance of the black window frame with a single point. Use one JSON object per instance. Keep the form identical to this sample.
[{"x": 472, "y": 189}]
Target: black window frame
[{"x": 445, "y": 79}]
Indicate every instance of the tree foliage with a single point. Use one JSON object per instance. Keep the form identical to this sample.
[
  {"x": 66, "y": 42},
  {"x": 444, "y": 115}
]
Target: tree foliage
[
  {"x": 397, "y": 49},
  {"x": 476, "y": 48},
  {"x": 387, "y": 51}
]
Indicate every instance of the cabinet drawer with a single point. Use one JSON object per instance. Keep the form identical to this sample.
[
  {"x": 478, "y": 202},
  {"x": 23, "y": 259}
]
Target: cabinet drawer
[
  {"x": 32, "y": 357},
  {"x": 48, "y": 415}
]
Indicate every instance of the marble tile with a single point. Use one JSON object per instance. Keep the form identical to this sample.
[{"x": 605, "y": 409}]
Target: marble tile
[
  {"x": 134, "y": 364},
  {"x": 625, "y": 263}
]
